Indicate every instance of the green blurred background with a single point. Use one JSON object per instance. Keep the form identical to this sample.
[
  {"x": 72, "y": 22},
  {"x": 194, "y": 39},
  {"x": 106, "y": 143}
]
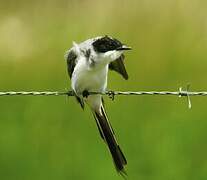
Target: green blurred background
[{"x": 52, "y": 138}]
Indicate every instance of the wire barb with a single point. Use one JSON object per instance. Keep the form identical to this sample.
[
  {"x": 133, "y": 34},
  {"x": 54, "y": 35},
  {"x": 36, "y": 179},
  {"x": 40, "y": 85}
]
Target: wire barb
[
  {"x": 187, "y": 94},
  {"x": 188, "y": 97}
]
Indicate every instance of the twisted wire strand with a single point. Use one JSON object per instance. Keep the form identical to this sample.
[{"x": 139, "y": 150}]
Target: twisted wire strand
[{"x": 110, "y": 93}]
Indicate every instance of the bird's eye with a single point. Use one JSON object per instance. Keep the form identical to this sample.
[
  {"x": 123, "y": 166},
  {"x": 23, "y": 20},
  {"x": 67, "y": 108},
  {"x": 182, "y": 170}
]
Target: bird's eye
[{"x": 106, "y": 44}]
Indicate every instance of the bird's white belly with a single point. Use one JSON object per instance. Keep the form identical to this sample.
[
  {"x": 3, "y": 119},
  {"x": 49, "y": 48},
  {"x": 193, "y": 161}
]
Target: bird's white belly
[{"x": 89, "y": 79}]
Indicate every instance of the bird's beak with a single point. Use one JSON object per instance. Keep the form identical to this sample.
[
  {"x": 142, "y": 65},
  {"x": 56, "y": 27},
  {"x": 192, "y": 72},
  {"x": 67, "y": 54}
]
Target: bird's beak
[{"x": 123, "y": 48}]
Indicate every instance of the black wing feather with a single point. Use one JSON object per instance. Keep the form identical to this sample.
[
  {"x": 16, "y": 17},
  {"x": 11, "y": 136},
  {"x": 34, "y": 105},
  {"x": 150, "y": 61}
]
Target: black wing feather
[
  {"x": 118, "y": 66},
  {"x": 71, "y": 62}
]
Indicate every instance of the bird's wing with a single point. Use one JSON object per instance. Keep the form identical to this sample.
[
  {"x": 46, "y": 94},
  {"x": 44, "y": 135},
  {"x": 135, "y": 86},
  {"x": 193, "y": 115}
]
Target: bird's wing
[
  {"x": 71, "y": 58},
  {"x": 118, "y": 66}
]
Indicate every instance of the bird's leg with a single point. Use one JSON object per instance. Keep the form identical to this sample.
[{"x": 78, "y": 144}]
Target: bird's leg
[{"x": 85, "y": 93}]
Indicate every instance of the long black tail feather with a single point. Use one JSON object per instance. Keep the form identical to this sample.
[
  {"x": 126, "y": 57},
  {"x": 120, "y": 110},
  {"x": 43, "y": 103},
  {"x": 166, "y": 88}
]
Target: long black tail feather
[{"x": 108, "y": 135}]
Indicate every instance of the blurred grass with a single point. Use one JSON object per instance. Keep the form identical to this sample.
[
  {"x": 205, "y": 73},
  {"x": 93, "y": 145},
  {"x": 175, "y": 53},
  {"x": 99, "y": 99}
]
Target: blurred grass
[{"x": 50, "y": 138}]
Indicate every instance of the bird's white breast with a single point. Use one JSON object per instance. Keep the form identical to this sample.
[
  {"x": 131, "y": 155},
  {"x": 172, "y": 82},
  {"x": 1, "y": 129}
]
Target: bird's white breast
[{"x": 89, "y": 78}]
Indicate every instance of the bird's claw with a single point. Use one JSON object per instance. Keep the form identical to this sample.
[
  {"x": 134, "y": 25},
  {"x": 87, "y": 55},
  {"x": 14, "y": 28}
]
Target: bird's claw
[
  {"x": 85, "y": 93},
  {"x": 111, "y": 95}
]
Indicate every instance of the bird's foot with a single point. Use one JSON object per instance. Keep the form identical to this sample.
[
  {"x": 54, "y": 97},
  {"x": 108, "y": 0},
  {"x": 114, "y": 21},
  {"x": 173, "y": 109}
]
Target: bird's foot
[
  {"x": 85, "y": 93},
  {"x": 111, "y": 95}
]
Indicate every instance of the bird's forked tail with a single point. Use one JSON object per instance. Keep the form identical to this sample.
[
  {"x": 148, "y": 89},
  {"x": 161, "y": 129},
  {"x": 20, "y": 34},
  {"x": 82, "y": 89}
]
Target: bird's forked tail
[{"x": 108, "y": 135}]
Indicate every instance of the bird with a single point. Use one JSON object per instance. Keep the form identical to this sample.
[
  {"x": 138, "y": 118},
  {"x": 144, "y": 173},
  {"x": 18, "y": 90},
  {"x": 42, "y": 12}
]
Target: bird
[{"x": 87, "y": 64}]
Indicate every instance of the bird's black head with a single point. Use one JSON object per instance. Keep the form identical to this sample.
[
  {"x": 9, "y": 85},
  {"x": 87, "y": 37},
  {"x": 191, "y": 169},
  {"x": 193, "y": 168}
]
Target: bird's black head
[{"x": 107, "y": 43}]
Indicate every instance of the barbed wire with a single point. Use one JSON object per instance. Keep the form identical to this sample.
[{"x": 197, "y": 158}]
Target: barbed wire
[{"x": 111, "y": 94}]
